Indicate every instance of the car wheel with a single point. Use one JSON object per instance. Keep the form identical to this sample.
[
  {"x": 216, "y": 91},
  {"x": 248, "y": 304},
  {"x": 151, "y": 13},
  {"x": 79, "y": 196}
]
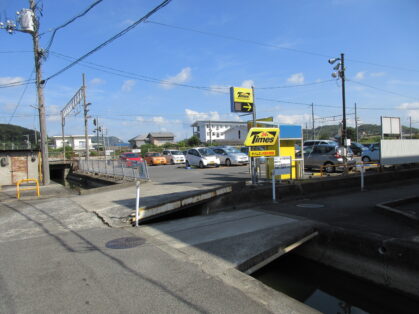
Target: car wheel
[
  {"x": 366, "y": 159},
  {"x": 201, "y": 164},
  {"x": 328, "y": 167},
  {"x": 187, "y": 164},
  {"x": 228, "y": 162},
  {"x": 172, "y": 162}
]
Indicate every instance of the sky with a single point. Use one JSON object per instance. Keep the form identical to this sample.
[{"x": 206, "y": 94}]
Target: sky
[{"x": 177, "y": 67}]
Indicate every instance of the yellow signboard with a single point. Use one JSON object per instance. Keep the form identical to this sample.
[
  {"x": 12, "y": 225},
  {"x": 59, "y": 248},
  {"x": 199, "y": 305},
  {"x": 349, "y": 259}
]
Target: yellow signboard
[
  {"x": 241, "y": 94},
  {"x": 261, "y": 136},
  {"x": 261, "y": 153}
]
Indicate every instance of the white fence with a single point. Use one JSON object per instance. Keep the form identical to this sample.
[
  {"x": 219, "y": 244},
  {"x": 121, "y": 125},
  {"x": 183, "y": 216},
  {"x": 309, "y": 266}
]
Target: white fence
[
  {"x": 115, "y": 168},
  {"x": 396, "y": 152}
]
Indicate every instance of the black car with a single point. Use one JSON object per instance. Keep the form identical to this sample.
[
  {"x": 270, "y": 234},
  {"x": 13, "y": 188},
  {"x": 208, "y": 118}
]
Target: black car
[{"x": 357, "y": 148}]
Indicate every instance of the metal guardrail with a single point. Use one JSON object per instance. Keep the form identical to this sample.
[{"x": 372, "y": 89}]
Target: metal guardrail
[
  {"x": 28, "y": 188},
  {"x": 115, "y": 168}
]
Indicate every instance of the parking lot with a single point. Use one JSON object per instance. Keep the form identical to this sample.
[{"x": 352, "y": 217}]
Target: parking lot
[{"x": 178, "y": 174}]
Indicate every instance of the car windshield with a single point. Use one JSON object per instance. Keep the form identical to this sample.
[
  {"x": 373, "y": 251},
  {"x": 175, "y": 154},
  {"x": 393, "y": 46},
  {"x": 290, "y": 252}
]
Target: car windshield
[
  {"x": 131, "y": 155},
  {"x": 232, "y": 150},
  {"x": 206, "y": 152},
  {"x": 176, "y": 152}
]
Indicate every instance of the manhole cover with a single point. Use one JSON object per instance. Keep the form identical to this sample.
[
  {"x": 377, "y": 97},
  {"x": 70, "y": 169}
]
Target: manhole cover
[
  {"x": 310, "y": 205},
  {"x": 125, "y": 243}
]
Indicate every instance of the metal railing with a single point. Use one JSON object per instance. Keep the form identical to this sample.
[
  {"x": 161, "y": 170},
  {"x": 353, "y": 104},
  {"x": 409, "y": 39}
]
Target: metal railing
[{"x": 115, "y": 168}]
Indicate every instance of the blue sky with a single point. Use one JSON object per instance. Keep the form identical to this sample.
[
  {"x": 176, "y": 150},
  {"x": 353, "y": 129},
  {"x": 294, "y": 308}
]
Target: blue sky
[{"x": 268, "y": 43}]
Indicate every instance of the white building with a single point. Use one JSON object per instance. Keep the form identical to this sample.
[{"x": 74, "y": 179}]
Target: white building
[
  {"x": 77, "y": 142},
  {"x": 228, "y": 132}
]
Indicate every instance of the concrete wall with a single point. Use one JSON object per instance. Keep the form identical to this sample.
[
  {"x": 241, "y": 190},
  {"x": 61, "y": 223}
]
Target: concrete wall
[
  {"x": 19, "y": 166},
  {"x": 396, "y": 152}
]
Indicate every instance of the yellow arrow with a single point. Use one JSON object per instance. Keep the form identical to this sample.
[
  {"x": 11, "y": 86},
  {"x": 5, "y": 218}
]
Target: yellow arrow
[{"x": 248, "y": 107}]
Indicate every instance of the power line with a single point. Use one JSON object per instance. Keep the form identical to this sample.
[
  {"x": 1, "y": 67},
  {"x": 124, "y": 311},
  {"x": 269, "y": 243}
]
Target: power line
[
  {"x": 297, "y": 85},
  {"x": 220, "y": 90},
  {"x": 123, "y": 32},
  {"x": 54, "y": 31},
  {"x": 276, "y": 46},
  {"x": 165, "y": 82},
  {"x": 382, "y": 90},
  {"x": 21, "y": 97},
  {"x": 239, "y": 39},
  {"x": 17, "y": 83}
]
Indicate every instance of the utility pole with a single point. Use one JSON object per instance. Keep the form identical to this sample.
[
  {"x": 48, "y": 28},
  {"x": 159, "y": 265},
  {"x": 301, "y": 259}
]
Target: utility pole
[
  {"x": 312, "y": 120},
  {"x": 340, "y": 68},
  {"x": 86, "y": 110},
  {"x": 356, "y": 125},
  {"x": 342, "y": 59},
  {"x": 40, "y": 91},
  {"x": 30, "y": 24}
]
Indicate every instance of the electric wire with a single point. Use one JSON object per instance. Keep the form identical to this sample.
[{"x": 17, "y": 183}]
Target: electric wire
[
  {"x": 382, "y": 90},
  {"x": 277, "y": 46},
  {"x": 21, "y": 97},
  {"x": 54, "y": 31},
  {"x": 17, "y": 83},
  {"x": 220, "y": 90},
  {"x": 120, "y": 34}
]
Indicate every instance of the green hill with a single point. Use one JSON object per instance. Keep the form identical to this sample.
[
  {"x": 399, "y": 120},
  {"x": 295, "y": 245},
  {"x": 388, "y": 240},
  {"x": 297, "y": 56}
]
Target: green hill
[
  {"x": 365, "y": 132},
  {"x": 16, "y": 137}
]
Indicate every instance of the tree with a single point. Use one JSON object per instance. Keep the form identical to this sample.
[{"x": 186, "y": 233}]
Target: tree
[{"x": 193, "y": 141}]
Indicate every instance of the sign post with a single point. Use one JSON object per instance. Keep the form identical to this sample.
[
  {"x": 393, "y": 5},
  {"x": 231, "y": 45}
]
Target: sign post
[{"x": 242, "y": 100}]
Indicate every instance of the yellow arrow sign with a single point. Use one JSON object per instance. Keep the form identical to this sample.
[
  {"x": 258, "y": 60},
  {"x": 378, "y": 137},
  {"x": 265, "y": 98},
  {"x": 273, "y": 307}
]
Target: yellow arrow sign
[{"x": 248, "y": 107}]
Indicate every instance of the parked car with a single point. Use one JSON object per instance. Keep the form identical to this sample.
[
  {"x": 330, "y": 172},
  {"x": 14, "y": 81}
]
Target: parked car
[
  {"x": 153, "y": 159},
  {"x": 328, "y": 155},
  {"x": 357, "y": 148},
  {"x": 201, "y": 157},
  {"x": 372, "y": 153},
  {"x": 174, "y": 156},
  {"x": 231, "y": 156},
  {"x": 130, "y": 159},
  {"x": 318, "y": 142}
]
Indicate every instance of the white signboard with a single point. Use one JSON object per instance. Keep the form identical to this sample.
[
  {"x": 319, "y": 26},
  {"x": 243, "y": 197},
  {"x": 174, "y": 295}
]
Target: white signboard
[
  {"x": 282, "y": 162},
  {"x": 390, "y": 125}
]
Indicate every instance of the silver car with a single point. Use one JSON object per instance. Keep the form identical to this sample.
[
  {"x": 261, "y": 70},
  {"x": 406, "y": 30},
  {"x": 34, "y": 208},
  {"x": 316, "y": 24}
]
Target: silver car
[
  {"x": 231, "y": 156},
  {"x": 330, "y": 157}
]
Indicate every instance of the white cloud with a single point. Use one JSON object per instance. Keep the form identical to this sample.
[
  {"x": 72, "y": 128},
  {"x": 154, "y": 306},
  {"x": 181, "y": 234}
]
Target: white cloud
[
  {"x": 139, "y": 118},
  {"x": 159, "y": 120},
  {"x": 183, "y": 76},
  {"x": 127, "y": 22},
  {"x": 97, "y": 81},
  {"x": 248, "y": 84},
  {"x": 216, "y": 89},
  {"x": 293, "y": 119},
  {"x": 10, "y": 80},
  {"x": 409, "y": 106},
  {"x": 195, "y": 115},
  {"x": 297, "y": 78},
  {"x": 9, "y": 107},
  {"x": 377, "y": 74},
  {"x": 360, "y": 75},
  {"x": 53, "y": 113},
  {"x": 128, "y": 85}
]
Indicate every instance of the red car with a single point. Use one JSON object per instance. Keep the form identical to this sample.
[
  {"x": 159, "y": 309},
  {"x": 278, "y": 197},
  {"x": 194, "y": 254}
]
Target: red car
[{"x": 130, "y": 159}]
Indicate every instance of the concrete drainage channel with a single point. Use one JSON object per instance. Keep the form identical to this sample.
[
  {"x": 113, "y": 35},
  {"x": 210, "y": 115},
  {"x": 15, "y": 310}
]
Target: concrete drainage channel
[{"x": 377, "y": 263}]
